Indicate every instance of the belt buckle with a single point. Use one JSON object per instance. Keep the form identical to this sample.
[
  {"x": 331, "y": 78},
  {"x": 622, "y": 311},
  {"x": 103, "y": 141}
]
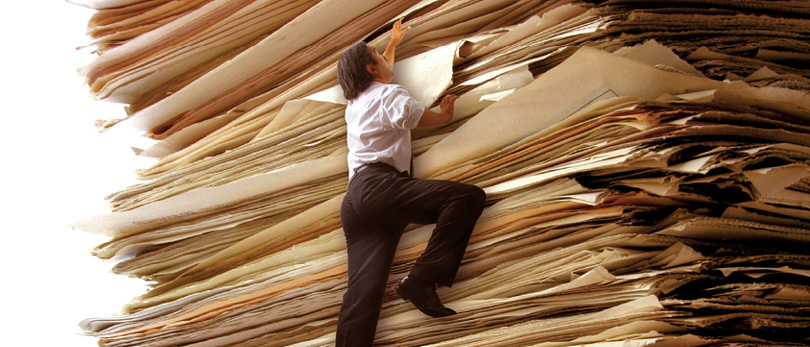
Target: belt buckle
[{"x": 361, "y": 168}]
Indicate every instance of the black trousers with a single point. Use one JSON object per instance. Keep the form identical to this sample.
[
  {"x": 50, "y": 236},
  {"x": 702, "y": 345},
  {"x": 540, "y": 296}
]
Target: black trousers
[{"x": 379, "y": 204}]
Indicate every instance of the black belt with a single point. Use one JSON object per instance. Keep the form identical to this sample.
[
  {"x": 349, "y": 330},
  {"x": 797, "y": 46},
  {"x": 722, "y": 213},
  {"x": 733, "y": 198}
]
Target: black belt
[
  {"x": 376, "y": 164},
  {"x": 361, "y": 168}
]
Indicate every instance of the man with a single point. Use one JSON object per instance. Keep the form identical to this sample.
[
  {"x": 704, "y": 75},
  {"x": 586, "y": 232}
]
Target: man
[{"x": 383, "y": 197}]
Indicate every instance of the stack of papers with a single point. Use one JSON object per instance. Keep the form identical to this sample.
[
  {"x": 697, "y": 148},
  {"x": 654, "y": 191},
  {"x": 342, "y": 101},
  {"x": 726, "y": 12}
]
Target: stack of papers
[{"x": 647, "y": 168}]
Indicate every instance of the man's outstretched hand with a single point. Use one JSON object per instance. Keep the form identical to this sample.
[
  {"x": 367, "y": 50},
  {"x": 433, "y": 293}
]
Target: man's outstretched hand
[
  {"x": 432, "y": 119},
  {"x": 448, "y": 105},
  {"x": 397, "y": 34}
]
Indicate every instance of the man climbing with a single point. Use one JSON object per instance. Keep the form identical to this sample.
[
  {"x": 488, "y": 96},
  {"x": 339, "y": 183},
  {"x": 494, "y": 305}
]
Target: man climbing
[{"x": 383, "y": 197}]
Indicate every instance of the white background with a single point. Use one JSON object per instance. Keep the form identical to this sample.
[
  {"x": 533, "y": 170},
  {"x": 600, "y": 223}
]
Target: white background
[{"x": 56, "y": 169}]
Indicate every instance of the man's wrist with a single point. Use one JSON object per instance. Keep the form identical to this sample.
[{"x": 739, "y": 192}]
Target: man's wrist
[{"x": 447, "y": 117}]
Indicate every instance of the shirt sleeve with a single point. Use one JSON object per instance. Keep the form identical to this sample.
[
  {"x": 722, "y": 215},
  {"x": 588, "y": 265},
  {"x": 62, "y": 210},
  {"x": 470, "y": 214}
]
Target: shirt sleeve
[{"x": 399, "y": 109}]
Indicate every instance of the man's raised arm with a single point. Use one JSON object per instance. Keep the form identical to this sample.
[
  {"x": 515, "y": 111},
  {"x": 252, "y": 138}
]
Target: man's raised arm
[{"x": 397, "y": 33}]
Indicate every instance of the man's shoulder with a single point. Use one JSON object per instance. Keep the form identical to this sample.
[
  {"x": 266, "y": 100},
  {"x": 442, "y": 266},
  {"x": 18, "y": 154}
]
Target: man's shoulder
[
  {"x": 393, "y": 86},
  {"x": 379, "y": 90},
  {"x": 392, "y": 90},
  {"x": 373, "y": 89}
]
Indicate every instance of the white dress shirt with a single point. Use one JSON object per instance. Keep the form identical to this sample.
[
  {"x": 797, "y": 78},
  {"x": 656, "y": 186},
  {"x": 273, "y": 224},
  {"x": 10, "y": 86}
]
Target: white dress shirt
[{"x": 379, "y": 123}]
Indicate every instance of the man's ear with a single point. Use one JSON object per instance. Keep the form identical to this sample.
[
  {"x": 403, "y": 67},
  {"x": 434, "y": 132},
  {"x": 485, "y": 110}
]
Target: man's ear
[{"x": 372, "y": 69}]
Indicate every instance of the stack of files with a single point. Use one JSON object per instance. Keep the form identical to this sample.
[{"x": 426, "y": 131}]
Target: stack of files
[
  {"x": 116, "y": 22},
  {"x": 762, "y": 33},
  {"x": 632, "y": 200},
  {"x": 204, "y": 34}
]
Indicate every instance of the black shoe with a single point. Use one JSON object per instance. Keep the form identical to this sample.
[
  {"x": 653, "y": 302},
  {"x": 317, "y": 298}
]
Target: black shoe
[{"x": 423, "y": 297}]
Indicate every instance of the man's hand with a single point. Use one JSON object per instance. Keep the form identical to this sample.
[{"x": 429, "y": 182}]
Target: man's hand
[
  {"x": 397, "y": 33},
  {"x": 448, "y": 105},
  {"x": 432, "y": 119}
]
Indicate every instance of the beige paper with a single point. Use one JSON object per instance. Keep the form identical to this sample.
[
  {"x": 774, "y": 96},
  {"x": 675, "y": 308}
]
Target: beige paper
[{"x": 210, "y": 199}]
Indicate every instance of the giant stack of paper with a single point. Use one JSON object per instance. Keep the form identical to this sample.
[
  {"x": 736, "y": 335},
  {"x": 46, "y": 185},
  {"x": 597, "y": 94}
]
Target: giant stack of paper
[{"x": 647, "y": 165}]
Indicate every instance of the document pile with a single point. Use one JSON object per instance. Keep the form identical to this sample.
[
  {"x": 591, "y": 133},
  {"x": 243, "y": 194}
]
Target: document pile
[{"x": 647, "y": 167}]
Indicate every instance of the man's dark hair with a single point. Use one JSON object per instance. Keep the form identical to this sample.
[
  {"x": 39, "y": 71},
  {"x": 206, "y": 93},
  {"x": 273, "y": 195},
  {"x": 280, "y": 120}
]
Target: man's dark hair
[{"x": 351, "y": 69}]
